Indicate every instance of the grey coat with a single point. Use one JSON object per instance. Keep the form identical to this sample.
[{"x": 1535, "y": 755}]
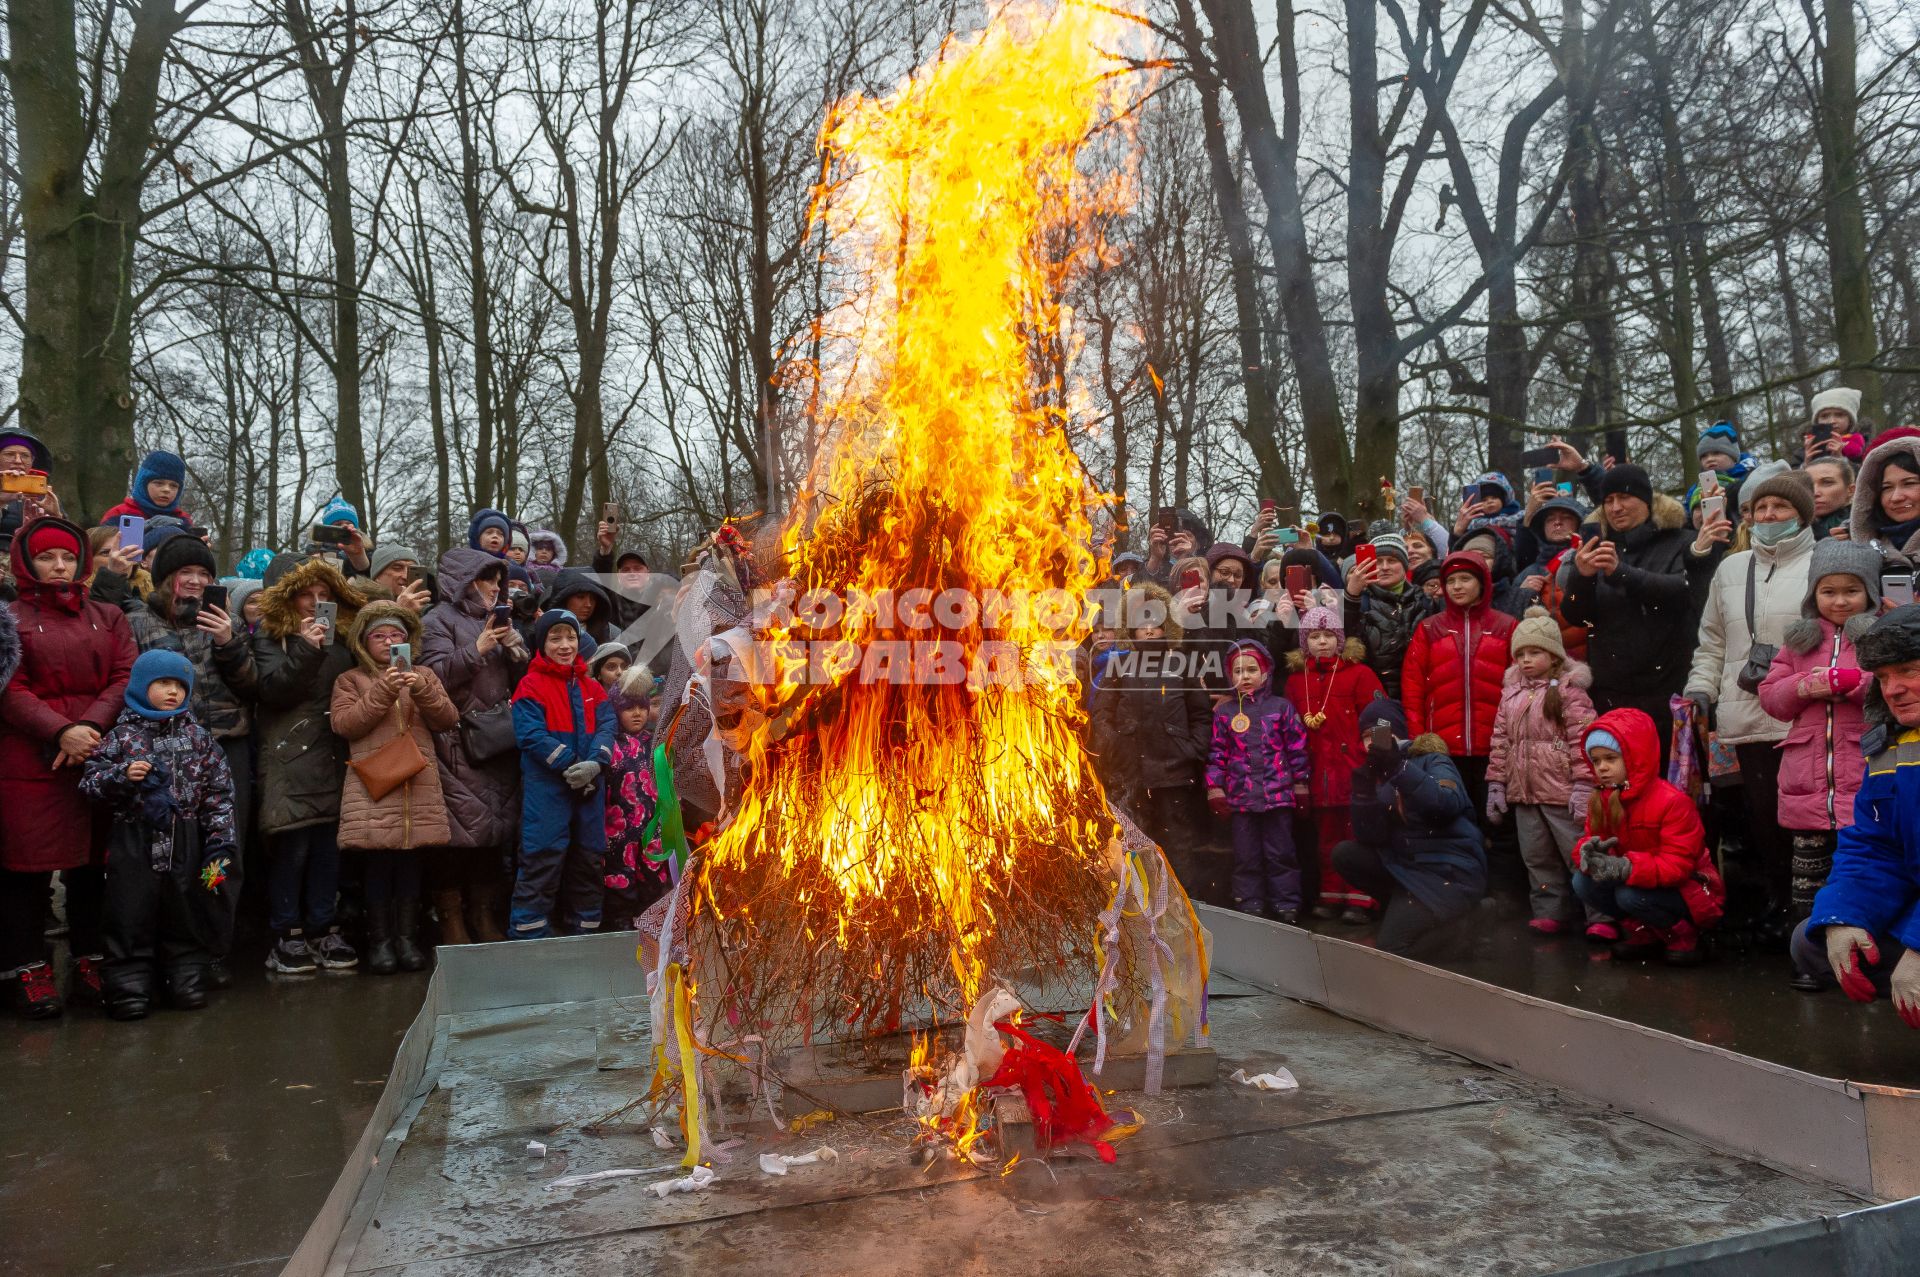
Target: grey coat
[
  {"x": 302, "y": 761},
  {"x": 483, "y": 799}
]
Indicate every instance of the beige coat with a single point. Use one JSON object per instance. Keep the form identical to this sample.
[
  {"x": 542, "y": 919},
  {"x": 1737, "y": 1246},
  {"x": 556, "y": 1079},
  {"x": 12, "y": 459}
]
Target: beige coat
[{"x": 368, "y": 714}]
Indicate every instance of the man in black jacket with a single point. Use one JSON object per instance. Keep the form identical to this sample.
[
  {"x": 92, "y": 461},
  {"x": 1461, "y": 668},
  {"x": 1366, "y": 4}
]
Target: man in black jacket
[{"x": 1629, "y": 587}]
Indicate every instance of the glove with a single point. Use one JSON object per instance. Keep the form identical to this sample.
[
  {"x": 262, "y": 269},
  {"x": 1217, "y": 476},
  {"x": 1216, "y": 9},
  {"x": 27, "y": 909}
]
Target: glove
[
  {"x": 1217, "y": 802},
  {"x": 1846, "y": 947},
  {"x": 1701, "y": 705},
  {"x": 1906, "y": 988},
  {"x": 1496, "y": 802},
  {"x": 581, "y": 775},
  {"x": 1843, "y": 681},
  {"x": 1579, "y": 798},
  {"x": 1601, "y": 867}
]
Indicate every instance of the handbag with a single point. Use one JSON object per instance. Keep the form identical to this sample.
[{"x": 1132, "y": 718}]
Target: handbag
[
  {"x": 1760, "y": 655},
  {"x": 485, "y": 734},
  {"x": 392, "y": 765}
]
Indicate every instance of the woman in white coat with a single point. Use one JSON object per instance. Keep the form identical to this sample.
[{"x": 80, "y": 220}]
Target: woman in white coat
[{"x": 1755, "y": 595}]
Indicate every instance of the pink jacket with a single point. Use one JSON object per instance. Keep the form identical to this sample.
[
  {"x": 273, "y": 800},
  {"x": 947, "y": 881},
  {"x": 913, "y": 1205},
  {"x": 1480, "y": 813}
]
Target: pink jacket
[
  {"x": 1820, "y": 762},
  {"x": 1538, "y": 762}
]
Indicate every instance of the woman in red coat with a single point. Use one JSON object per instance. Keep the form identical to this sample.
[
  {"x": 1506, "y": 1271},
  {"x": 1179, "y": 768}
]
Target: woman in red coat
[
  {"x": 74, "y": 661},
  {"x": 1330, "y": 686},
  {"x": 1456, "y": 666}
]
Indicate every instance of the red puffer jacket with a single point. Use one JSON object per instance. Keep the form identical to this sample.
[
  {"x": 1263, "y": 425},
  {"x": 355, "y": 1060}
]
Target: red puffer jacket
[
  {"x": 1451, "y": 681},
  {"x": 1661, "y": 835}
]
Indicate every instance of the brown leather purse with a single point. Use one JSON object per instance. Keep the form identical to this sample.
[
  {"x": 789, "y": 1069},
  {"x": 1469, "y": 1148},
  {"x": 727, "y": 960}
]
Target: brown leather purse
[{"x": 392, "y": 765}]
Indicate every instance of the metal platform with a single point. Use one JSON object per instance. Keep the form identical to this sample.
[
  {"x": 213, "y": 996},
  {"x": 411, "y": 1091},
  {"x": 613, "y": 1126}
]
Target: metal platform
[{"x": 1574, "y": 1140}]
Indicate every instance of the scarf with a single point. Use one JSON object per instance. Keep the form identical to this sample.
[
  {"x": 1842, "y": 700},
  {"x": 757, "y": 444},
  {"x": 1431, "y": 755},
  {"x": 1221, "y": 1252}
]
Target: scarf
[
  {"x": 1898, "y": 534},
  {"x": 546, "y": 686}
]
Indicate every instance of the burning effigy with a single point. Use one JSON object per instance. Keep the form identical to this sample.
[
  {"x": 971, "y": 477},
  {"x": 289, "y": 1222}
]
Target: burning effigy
[{"x": 882, "y": 703}]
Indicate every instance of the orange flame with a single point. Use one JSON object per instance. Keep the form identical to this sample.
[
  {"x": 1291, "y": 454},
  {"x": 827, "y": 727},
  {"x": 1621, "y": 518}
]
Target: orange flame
[{"x": 909, "y": 821}]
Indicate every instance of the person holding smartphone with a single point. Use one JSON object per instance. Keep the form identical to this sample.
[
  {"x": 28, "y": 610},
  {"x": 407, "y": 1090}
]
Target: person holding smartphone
[
  {"x": 176, "y": 616},
  {"x": 22, "y": 453},
  {"x": 469, "y": 641},
  {"x": 1886, "y": 499},
  {"x": 302, "y": 762},
  {"x": 1834, "y": 428}
]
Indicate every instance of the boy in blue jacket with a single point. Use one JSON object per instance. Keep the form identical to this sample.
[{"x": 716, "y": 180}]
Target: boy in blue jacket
[{"x": 564, "y": 725}]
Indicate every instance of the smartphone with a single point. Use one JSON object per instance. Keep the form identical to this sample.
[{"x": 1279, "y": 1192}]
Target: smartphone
[
  {"x": 1822, "y": 431},
  {"x": 1299, "y": 579},
  {"x": 501, "y": 612},
  {"x": 1898, "y": 588},
  {"x": 1617, "y": 447},
  {"x": 1543, "y": 474},
  {"x": 1365, "y": 553},
  {"x": 1191, "y": 578},
  {"x": 1165, "y": 517},
  {"x": 186, "y": 612},
  {"x": 1707, "y": 479},
  {"x": 1267, "y": 505},
  {"x": 1418, "y": 493},
  {"x": 1287, "y": 536},
  {"x": 1382, "y": 736},
  {"x": 329, "y": 534},
  {"x": 328, "y": 614},
  {"x": 1469, "y": 493},
  {"x": 1712, "y": 504},
  {"x": 610, "y": 512},
  {"x": 401, "y": 655},
  {"x": 133, "y": 531},
  {"x": 215, "y": 596},
  {"x": 1548, "y": 457},
  {"x": 33, "y": 481},
  {"x": 416, "y": 575}
]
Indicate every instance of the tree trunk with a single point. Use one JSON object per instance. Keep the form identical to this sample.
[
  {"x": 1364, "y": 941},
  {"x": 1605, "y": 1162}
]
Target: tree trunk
[
  {"x": 76, "y": 380},
  {"x": 1592, "y": 287},
  {"x": 480, "y": 294},
  {"x": 1846, "y": 218},
  {"x": 1796, "y": 328}
]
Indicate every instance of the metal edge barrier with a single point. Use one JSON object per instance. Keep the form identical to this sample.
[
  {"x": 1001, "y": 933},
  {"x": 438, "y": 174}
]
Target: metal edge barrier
[{"x": 1859, "y": 1137}]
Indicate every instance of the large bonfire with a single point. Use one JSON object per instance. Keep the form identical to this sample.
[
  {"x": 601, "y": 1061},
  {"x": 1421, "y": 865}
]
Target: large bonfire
[{"x": 917, "y": 819}]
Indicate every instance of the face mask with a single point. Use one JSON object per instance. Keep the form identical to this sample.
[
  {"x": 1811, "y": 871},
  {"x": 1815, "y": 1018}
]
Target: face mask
[{"x": 1772, "y": 534}]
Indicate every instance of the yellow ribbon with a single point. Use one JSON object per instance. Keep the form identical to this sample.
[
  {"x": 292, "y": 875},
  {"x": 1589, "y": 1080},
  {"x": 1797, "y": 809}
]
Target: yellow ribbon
[{"x": 680, "y": 995}]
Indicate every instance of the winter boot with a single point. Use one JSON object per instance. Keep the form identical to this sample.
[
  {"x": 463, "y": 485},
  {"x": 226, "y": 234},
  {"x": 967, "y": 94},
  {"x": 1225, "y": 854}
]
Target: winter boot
[
  {"x": 483, "y": 915},
  {"x": 84, "y": 986},
  {"x": 1682, "y": 940},
  {"x": 187, "y": 987},
  {"x": 449, "y": 908},
  {"x": 31, "y": 992},
  {"x": 406, "y": 921},
  {"x": 1637, "y": 941},
  {"x": 380, "y": 959}
]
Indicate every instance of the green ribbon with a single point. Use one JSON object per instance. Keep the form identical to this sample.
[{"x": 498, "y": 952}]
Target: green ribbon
[{"x": 665, "y": 824}]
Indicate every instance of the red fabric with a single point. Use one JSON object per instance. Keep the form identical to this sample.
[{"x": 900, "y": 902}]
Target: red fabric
[
  {"x": 75, "y": 657},
  {"x": 1450, "y": 684},
  {"x": 1661, "y": 835},
  {"x": 1338, "y": 688},
  {"x": 1333, "y": 826},
  {"x": 129, "y": 506},
  {"x": 1553, "y": 598},
  {"x": 1065, "y": 1107},
  {"x": 546, "y": 686}
]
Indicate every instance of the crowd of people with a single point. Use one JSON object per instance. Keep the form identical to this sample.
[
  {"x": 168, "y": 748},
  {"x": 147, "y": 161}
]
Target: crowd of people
[
  {"x": 360, "y": 732},
  {"x": 1649, "y": 717}
]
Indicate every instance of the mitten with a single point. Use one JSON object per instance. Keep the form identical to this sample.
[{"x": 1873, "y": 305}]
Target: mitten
[
  {"x": 1217, "y": 802},
  {"x": 1600, "y": 866},
  {"x": 581, "y": 775},
  {"x": 1846, "y": 946},
  {"x": 1843, "y": 680},
  {"x": 1496, "y": 801}
]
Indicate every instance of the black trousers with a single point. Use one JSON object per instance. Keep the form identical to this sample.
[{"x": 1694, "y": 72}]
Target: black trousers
[
  {"x": 1767, "y": 862},
  {"x": 154, "y": 918},
  {"x": 1408, "y": 927},
  {"x": 24, "y": 900}
]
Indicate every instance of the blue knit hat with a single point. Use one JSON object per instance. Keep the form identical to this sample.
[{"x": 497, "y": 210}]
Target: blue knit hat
[
  {"x": 158, "y": 465},
  {"x": 1603, "y": 740},
  {"x": 150, "y": 667},
  {"x": 254, "y": 563},
  {"x": 338, "y": 511},
  {"x": 548, "y": 619},
  {"x": 488, "y": 518}
]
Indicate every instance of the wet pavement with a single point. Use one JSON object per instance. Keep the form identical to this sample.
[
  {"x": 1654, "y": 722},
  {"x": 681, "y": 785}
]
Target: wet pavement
[{"x": 190, "y": 1142}]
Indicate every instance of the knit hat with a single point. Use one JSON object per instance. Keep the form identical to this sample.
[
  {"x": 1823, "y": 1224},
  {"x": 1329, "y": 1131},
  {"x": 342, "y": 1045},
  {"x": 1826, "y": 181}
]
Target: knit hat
[
  {"x": 239, "y": 590},
  {"x": 253, "y": 563},
  {"x": 180, "y": 551},
  {"x": 160, "y": 530},
  {"x": 386, "y": 554},
  {"x": 1602, "y": 739},
  {"x": 484, "y": 519},
  {"x": 548, "y": 619},
  {"x": 1331, "y": 524},
  {"x": 1392, "y": 543},
  {"x": 1538, "y": 629},
  {"x": 1833, "y": 557},
  {"x": 157, "y": 465},
  {"x": 383, "y": 622},
  {"x": 632, "y": 689},
  {"x": 338, "y": 511},
  {"x": 1845, "y": 398},
  {"x": 1720, "y": 439},
  {"x": 1568, "y": 504},
  {"x": 1428, "y": 571},
  {"x": 51, "y": 534},
  {"x": 1795, "y": 487},
  {"x": 605, "y": 652},
  {"x": 1383, "y": 710},
  {"x": 1217, "y": 554},
  {"x": 518, "y": 539},
  {"x": 1322, "y": 618},
  {"x": 1627, "y": 480},
  {"x": 148, "y": 668}
]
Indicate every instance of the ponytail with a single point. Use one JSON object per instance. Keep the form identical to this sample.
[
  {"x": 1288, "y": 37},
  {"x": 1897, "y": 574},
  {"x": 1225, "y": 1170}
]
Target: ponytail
[
  {"x": 1605, "y": 812},
  {"x": 1556, "y": 712}
]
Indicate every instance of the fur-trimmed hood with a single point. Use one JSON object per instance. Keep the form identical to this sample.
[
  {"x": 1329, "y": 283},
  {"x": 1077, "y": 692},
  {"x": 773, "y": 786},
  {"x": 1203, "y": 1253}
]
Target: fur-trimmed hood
[
  {"x": 1353, "y": 652},
  {"x": 1428, "y": 743},
  {"x": 364, "y": 619},
  {"x": 1865, "y": 523},
  {"x": 547, "y": 537},
  {"x": 1572, "y": 674},
  {"x": 280, "y": 619},
  {"x": 9, "y": 646}
]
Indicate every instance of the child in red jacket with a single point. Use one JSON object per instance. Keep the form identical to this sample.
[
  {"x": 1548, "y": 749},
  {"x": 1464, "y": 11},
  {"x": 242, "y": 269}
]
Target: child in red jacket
[
  {"x": 1456, "y": 666},
  {"x": 1645, "y": 858},
  {"x": 1329, "y": 687}
]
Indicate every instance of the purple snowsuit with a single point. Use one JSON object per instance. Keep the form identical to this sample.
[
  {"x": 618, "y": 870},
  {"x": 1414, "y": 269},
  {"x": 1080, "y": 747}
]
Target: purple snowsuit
[{"x": 1257, "y": 769}]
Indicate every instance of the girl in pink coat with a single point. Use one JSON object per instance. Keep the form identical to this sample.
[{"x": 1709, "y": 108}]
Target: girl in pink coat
[
  {"x": 1815, "y": 684},
  {"x": 1539, "y": 772}
]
